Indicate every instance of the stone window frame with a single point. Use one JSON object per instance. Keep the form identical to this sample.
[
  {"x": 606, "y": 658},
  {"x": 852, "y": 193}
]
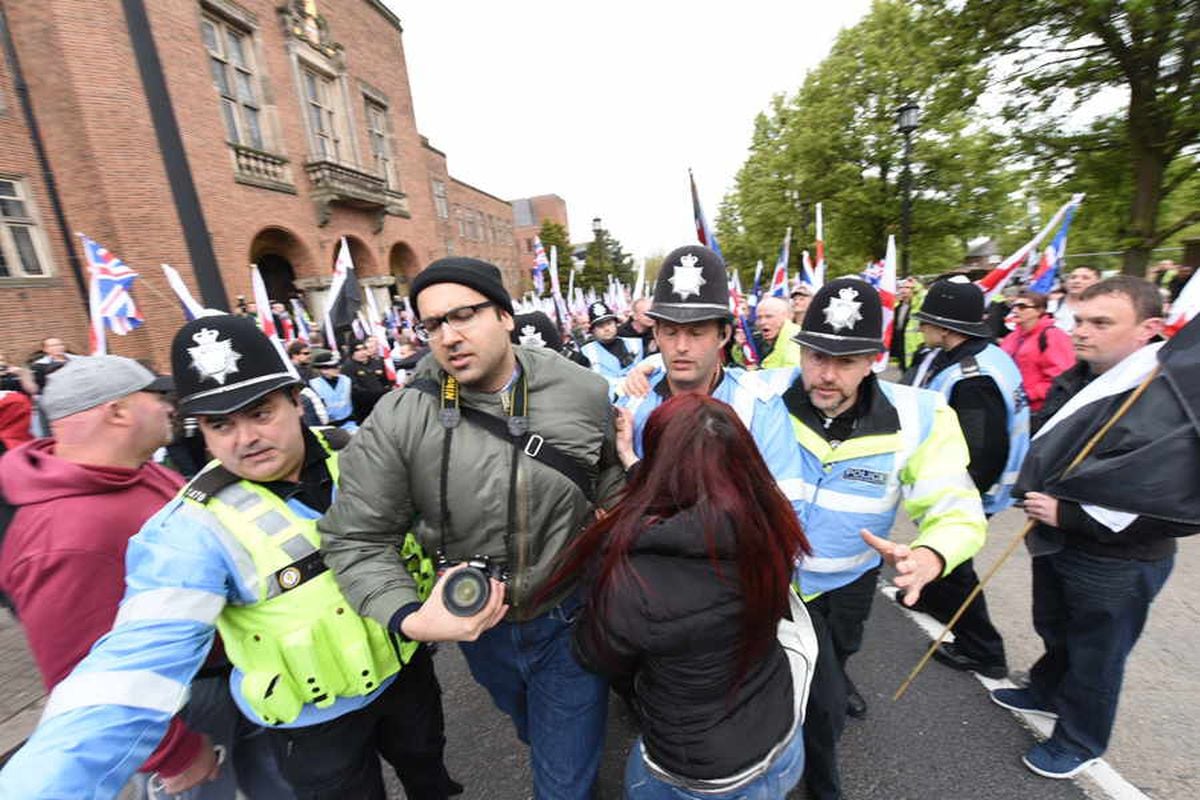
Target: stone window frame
[
  {"x": 11, "y": 258},
  {"x": 307, "y": 60},
  {"x": 441, "y": 203},
  {"x": 375, "y": 100},
  {"x": 240, "y": 89}
]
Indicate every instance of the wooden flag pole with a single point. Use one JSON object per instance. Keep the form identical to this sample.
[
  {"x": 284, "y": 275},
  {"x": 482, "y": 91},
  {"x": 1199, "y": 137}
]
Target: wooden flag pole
[{"x": 1020, "y": 537}]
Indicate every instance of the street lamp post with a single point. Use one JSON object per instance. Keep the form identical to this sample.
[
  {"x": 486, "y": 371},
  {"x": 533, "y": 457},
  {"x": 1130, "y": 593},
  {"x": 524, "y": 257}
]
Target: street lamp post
[
  {"x": 908, "y": 117},
  {"x": 598, "y": 238}
]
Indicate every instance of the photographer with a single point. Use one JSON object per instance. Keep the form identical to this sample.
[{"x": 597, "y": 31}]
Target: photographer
[{"x": 493, "y": 451}]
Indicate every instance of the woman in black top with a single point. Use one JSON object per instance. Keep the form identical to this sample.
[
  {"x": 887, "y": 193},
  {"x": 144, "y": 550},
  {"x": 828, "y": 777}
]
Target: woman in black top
[{"x": 686, "y": 582}]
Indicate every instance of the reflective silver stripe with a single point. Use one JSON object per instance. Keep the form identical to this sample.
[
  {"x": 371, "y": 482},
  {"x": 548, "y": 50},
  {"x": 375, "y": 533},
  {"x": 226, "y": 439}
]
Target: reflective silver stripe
[
  {"x": 272, "y": 523},
  {"x": 239, "y": 498},
  {"x": 907, "y": 406},
  {"x": 241, "y": 559},
  {"x": 842, "y": 564},
  {"x": 795, "y": 489},
  {"x": 799, "y": 489},
  {"x": 298, "y": 547},
  {"x": 971, "y": 504},
  {"x": 927, "y": 487},
  {"x": 135, "y": 688},
  {"x": 170, "y": 604}
]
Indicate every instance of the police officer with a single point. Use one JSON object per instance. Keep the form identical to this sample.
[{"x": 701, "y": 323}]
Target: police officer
[
  {"x": 866, "y": 446},
  {"x": 237, "y": 551},
  {"x": 609, "y": 354},
  {"x": 693, "y": 323},
  {"x": 983, "y": 386}
]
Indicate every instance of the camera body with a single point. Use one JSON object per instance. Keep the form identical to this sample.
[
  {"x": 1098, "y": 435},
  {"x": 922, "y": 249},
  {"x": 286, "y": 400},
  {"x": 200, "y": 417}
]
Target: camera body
[{"x": 467, "y": 591}]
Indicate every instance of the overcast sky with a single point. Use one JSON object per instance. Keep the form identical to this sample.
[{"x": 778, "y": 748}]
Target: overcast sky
[{"x": 637, "y": 93}]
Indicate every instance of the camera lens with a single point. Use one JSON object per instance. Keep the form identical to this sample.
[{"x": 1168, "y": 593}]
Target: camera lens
[{"x": 466, "y": 592}]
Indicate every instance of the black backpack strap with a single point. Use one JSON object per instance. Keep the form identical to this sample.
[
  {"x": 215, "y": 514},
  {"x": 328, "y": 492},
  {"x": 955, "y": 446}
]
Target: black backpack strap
[
  {"x": 531, "y": 444},
  {"x": 1042, "y": 340},
  {"x": 208, "y": 483}
]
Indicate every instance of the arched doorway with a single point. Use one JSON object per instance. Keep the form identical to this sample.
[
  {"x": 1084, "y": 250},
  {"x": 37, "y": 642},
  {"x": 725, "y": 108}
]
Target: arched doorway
[
  {"x": 280, "y": 255},
  {"x": 365, "y": 262},
  {"x": 402, "y": 262}
]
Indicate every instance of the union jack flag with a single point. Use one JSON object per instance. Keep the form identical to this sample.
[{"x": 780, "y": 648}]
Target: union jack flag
[{"x": 111, "y": 283}]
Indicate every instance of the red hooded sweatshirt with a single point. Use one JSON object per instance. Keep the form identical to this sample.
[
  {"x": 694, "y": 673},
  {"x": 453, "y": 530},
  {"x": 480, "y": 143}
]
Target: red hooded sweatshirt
[{"x": 63, "y": 561}]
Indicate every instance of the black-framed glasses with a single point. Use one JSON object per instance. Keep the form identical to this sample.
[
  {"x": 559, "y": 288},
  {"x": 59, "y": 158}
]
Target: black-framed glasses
[
  {"x": 1017, "y": 306},
  {"x": 457, "y": 318}
]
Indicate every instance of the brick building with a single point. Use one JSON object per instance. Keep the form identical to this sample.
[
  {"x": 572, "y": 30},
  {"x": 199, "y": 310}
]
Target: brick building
[
  {"x": 528, "y": 215},
  {"x": 211, "y": 134}
]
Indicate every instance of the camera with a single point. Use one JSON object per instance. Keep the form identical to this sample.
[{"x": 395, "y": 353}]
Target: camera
[{"x": 468, "y": 590}]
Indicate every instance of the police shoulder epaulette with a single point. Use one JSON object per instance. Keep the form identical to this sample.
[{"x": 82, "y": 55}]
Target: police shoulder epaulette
[
  {"x": 970, "y": 367},
  {"x": 209, "y": 483}
]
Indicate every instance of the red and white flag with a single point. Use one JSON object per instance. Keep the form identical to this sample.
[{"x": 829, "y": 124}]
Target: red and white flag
[
  {"x": 1184, "y": 308},
  {"x": 886, "y": 286}
]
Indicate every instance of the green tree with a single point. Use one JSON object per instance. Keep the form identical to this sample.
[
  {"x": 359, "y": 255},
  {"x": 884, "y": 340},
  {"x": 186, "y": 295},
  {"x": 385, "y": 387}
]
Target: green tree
[
  {"x": 605, "y": 256},
  {"x": 1052, "y": 56},
  {"x": 835, "y": 141},
  {"x": 554, "y": 235}
]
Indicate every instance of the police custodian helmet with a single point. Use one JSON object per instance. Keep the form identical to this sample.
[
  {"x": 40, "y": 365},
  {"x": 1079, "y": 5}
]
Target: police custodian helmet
[
  {"x": 598, "y": 312},
  {"x": 222, "y": 363},
  {"x": 845, "y": 318},
  {"x": 692, "y": 286},
  {"x": 956, "y": 304}
]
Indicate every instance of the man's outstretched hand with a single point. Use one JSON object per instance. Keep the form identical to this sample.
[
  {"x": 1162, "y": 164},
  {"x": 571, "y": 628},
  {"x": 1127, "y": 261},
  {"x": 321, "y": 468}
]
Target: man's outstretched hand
[{"x": 915, "y": 567}]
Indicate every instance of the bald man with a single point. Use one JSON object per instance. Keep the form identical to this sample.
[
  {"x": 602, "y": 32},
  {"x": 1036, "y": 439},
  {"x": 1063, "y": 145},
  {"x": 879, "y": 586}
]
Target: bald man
[{"x": 776, "y": 329}]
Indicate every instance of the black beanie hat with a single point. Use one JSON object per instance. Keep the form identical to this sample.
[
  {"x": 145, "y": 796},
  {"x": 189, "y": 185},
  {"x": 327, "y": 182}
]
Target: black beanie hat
[{"x": 478, "y": 275}]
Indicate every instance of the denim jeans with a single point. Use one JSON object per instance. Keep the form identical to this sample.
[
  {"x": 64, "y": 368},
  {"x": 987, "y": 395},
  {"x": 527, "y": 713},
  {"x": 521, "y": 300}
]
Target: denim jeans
[
  {"x": 780, "y": 778},
  {"x": 558, "y": 707},
  {"x": 1089, "y": 611}
]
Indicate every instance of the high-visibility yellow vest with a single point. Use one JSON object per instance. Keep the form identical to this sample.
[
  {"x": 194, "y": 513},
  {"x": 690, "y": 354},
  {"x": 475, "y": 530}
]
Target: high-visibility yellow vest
[{"x": 301, "y": 642}]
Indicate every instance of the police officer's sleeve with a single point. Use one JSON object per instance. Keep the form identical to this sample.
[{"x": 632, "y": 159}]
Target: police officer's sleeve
[
  {"x": 104, "y": 719},
  {"x": 772, "y": 432},
  {"x": 363, "y": 531},
  {"x": 939, "y": 494}
]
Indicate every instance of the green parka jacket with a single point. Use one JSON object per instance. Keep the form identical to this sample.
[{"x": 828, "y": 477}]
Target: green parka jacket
[{"x": 390, "y": 484}]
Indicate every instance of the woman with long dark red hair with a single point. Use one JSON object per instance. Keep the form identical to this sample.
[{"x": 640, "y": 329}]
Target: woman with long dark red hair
[{"x": 688, "y": 601}]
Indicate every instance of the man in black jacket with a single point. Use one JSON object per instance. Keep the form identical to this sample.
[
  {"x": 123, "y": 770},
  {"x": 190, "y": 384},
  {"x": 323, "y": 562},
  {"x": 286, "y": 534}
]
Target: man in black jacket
[{"x": 1096, "y": 569}]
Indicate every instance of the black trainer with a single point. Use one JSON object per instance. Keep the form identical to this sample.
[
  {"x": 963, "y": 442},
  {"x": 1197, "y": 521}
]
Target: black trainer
[
  {"x": 948, "y": 653},
  {"x": 856, "y": 706}
]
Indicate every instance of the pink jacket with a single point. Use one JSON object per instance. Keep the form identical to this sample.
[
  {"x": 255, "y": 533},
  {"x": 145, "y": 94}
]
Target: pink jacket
[{"x": 1040, "y": 365}]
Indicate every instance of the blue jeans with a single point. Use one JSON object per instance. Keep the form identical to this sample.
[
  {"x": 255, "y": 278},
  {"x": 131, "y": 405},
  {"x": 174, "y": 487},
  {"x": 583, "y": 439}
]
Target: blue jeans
[
  {"x": 1089, "y": 611},
  {"x": 558, "y": 707},
  {"x": 779, "y": 779}
]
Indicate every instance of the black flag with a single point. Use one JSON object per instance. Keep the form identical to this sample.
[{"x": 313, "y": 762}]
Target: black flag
[{"x": 1148, "y": 463}]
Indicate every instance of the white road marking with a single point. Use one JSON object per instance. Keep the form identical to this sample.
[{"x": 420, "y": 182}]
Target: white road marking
[{"x": 1101, "y": 774}]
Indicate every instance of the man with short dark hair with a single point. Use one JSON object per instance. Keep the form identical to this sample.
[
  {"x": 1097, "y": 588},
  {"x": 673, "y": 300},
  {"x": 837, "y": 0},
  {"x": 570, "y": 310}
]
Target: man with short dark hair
[
  {"x": 1096, "y": 569},
  {"x": 498, "y": 454}
]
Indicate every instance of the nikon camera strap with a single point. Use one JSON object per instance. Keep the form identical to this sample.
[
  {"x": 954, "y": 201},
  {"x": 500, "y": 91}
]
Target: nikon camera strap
[{"x": 529, "y": 443}]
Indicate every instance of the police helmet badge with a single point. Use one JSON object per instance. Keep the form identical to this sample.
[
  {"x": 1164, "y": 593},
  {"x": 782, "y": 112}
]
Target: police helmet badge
[
  {"x": 842, "y": 313},
  {"x": 213, "y": 357},
  {"x": 687, "y": 277},
  {"x": 531, "y": 337},
  {"x": 598, "y": 310}
]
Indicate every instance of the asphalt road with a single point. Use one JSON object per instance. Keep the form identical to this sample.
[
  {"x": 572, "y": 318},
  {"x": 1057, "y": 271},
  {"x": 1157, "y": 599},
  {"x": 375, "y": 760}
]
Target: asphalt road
[{"x": 943, "y": 740}]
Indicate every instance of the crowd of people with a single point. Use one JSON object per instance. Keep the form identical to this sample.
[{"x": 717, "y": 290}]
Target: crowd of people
[{"x": 232, "y": 577}]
